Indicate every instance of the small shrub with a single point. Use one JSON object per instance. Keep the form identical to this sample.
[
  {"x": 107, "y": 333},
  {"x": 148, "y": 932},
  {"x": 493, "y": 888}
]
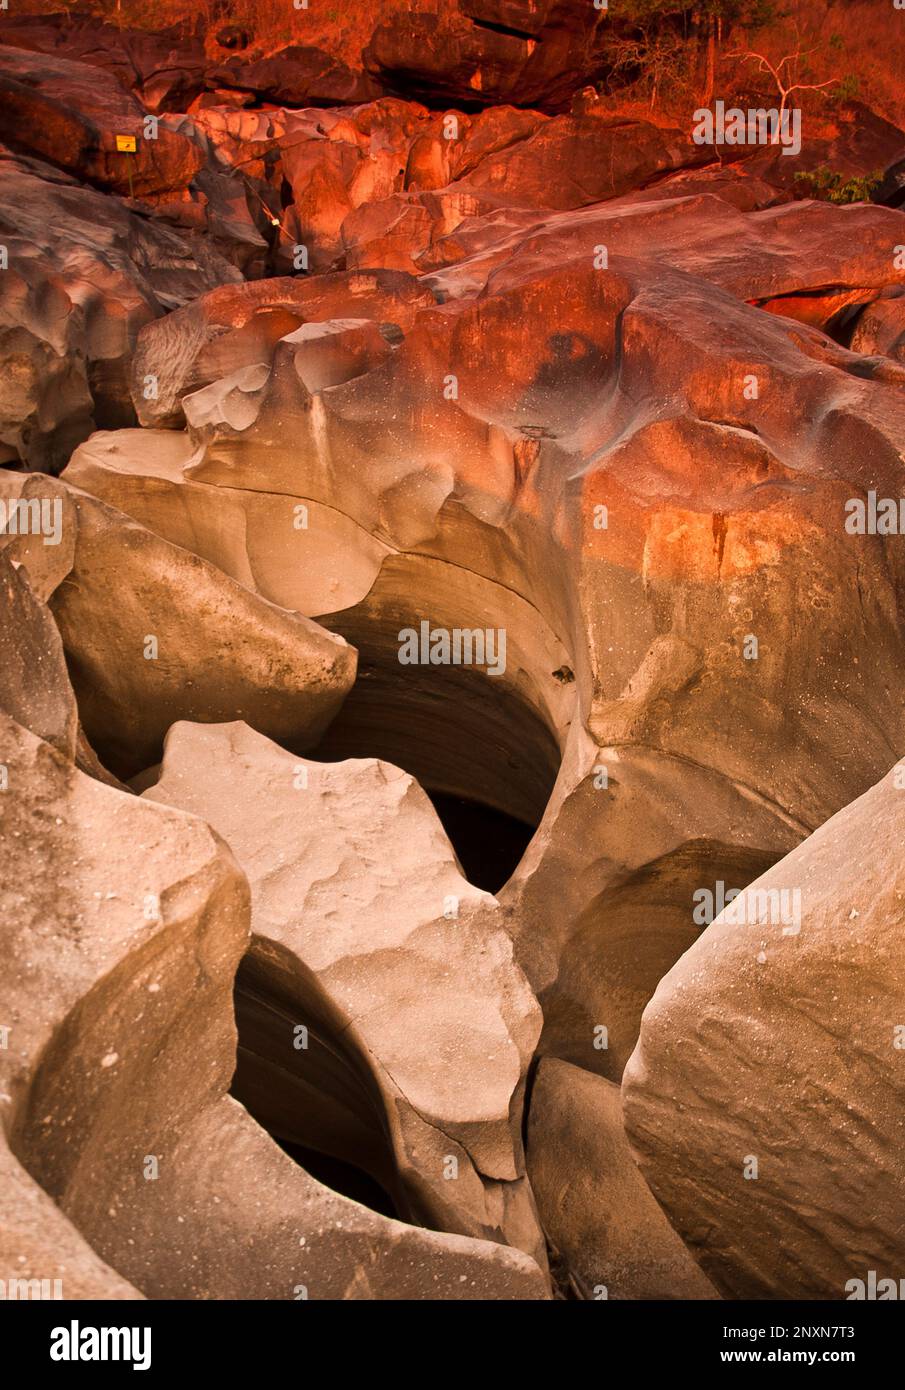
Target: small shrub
[{"x": 829, "y": 186}]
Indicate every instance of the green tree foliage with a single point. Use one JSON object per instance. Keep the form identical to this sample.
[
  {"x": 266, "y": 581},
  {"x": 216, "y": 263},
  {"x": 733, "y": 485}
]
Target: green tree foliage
[{"x": 831, "y": 186}]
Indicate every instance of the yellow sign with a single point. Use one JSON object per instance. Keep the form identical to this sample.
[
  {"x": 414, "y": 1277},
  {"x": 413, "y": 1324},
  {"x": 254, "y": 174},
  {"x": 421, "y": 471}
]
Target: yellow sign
[{"x": 126, "y": 144}]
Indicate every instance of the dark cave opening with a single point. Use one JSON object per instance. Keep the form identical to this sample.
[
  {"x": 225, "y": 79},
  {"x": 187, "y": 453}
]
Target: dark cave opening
[
  {"x": 456, "y": 731},
  {"x": 489, "y": 843},
  {"x": 318, "y": 1102},
  {"x": 481, "y": 753},
  {"x": 485, "y": 748},
  {"x": 342, "y": 1177}
]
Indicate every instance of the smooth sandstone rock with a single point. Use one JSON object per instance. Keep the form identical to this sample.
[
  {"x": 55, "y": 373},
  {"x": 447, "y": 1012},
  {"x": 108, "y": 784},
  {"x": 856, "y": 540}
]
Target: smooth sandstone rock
[
  {"x": 241, "y": 326},
  {"x": 39, "y": 528},
  {"x": 248, "y": 534},
  {"x": 488, "y": 51},
  {"x": 70, "y": 113},
  {"x": 183, "y": 640},
  {"x": 762, "y": 1098},
  {"x": 297, "y": 75},
  {"x": 37, "y": 548},
  {"x": 880, "y": 329},
  {"x": 112, "y": 912},
  {"x": 366, "y": 931},
  {"x": 118, "y": 1002},
  {"x": 778, "y": 256},
  {"x": 165, "y": 69},
  {"x": 42, "y": 1255},
  {"x": 610, "y": 1236},
  {"x": 236, "y": 1191},
  {"x": 34, "y": 683}
]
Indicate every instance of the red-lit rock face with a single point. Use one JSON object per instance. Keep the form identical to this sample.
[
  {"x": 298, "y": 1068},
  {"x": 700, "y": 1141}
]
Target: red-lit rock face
[
  {"x": 487, "y": 51},
  {"x": 435, "y": 481},
  {"x": 71, "y": 113},
  {"x": 652, "y": 399},
  {"x": 85, "y": 275}
]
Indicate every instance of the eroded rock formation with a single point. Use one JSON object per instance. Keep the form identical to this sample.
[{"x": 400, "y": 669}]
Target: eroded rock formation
[
  {"x": 608, "y": 1234},
  {"x": 478, "y": 51},
  {"x": 502, "y": 456},
  {"x": 84, "y": 274},
  {"x": 118, "y": 1004},
  {"x": 183, "y": 641},
  {"x": 367, "y": 935},
  {"x": 772, "y": 1019},
  {"x": 629, "y": 655}
]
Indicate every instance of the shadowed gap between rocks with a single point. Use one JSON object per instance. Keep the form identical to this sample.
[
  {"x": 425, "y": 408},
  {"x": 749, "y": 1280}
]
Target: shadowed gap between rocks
[
  {"x": 489, "y": 844},
  {"x": 317, "y": 1101},
  {"x": 488, "y": 839},
  {"x": 341, "y": 1177},
  {"x": 483, "y": 750},
  {"x": 485, "y": 755},
  {"x": 506, "y": 29},
  {"x": 602, "y": 976}
]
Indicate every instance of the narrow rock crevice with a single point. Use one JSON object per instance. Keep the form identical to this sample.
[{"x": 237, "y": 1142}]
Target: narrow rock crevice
[
  {"x": 491, "y": 740},
  {"x": 299, "y": 1078},
  {"x": 488, "y": 843}
]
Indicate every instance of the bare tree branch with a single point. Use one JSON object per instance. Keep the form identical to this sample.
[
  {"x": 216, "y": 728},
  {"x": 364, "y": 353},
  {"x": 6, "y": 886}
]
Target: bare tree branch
[{"x": 784, "y": 86}]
